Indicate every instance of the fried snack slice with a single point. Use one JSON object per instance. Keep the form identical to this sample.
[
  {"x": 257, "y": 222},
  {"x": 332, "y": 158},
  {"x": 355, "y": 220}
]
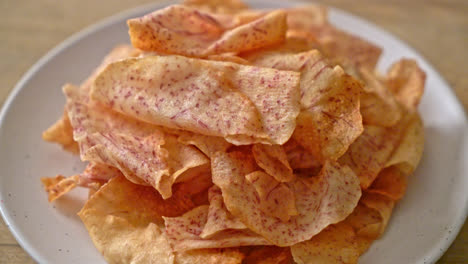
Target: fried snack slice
[
  {"x": 320, "y": 201},
  {"x": 381, "y": 204},
  {"x": 61, "y": 132},
  {"x": 184, "y": 30},
  {"x": 330, "y": 119},
  {"x": 268, "y": 255},
  {"x": 344, "y": 48},
  {"x": 299, "y": 157},
  {"x": 406, "y": 81},
  {"x": 378, "y": 105},
  {"x": 276, "y": 199},
  {"x": 273, "y": 159},
  {"x": 369, "y": 153},
  {"x": 411, "y": 146},
  {"x": 184, "y": 233},
  {"x": 210, "y": 256},
  {"x": 206, "y": 144},
  {"x": 390, "y": 182},
  {"x": 243, "y": 104},
  {"x": 335, "y": 244},
  {"x": 59, "y": 185},
  {"x": 219, "y": 218},
  {"x": 124, "y": 221},
  {"x": 143, "y": 152}
]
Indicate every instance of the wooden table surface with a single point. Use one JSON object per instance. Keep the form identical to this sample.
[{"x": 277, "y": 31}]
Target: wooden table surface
[{"x": 437, "y": 29}]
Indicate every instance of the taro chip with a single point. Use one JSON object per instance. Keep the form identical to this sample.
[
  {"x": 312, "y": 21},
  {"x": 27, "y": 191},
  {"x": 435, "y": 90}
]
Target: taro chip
[
  {"x": 59, "y": 185},
  {"x": 268, "y": 255},
  {"x": 184, "y": 30},
  {"x": 378, "y": 105},
  {"x": 276, "y": 199},
  {"x": 208, "y": 97},
  {"x": 330, "y": 119},
  {"x": 390, "y": 182},
  {"x": 298, "y": 157},
  {"x": 369, "y": 153},
  {"x": 381, "y": 204},
  {"x": 335, "y": 244},
  {"x": 219, "y": 218},
  {"x": 124, "y": 221},
  {"x": 273, "y": 159},
  {"x": 206, "y": 144},
  {"x": 210, "y": 256},
  {"x": 333, "y": 194},
  {"x": 406, "y": 81},
  {"x": 62, "y": 133},
  {"x": 410, "y": 148},
  {"x": 184, "y": 233}
]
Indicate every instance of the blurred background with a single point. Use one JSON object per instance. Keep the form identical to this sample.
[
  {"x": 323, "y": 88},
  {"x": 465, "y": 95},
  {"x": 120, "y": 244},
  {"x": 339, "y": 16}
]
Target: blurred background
[{"x": 436, "y": 29}]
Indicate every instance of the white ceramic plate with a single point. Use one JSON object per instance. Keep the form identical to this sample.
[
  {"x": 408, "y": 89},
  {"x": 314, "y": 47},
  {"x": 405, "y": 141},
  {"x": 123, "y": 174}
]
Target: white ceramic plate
[{"x": 424, "y": 223}]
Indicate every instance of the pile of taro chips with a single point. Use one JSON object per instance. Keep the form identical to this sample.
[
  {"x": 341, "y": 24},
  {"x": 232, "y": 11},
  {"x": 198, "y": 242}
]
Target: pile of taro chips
[{"x": 230, "y": 135}]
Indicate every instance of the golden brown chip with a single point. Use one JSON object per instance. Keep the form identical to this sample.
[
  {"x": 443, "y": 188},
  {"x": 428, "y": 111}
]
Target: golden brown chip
[
  {"x": 59, "y": 185},
  {"x": 406, "y": 81},
  {"x": 62, "y": 133},
  {"x": 206, "y": 144},
  {"x": 330, "y": 119},
  {"x": 184, "y": 30},
  {"x": 210, "y": 256},
  {"x": 381, "y": 204},
  {"x": 184, "y": 233},
  {"x": 369, "y": 153},
  {"x": 298, "y": 157},
  {"x": 276, "y": 199},
  {"x": 336, "y": 244},
  {"x": 273, "y": 159},
  {"x": 320, "y": 201},
  {"x": 378, "y": 105},
  {"x": 124, "y": 222},
  {"x": 219, "y": 218},
  {"x": 207, "y": 97},
  {"x": 410, "y": 148},
  {"x": 390, "y": 182},
  {"x": 268, "y": 255}
]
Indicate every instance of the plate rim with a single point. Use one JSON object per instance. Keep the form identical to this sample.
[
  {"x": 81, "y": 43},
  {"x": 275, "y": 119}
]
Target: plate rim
[{"x": 433, "y": 256}]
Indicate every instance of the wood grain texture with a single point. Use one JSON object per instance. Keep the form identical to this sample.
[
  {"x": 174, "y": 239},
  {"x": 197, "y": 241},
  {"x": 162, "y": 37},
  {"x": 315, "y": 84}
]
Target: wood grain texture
[{"x": 437, "y": 29}]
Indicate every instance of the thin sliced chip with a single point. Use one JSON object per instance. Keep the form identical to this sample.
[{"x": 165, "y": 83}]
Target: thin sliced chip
[
  {"x": 59, "y": 185},
  {"x": 62, "y": 133},
  {"x": 184, "y": 30},
  {"x": 365, "y": 221},
  {"x": 390, "y": 182},
  {"x": 306, "y": 17},
  {"x": 320, "y": 201},
  {"x": 210, "y": 256},
  {"x": 219, "y": 218},
  {"x": 378, "y": 105},
  {"x": 222, "y": 99},
  {"x": 369, "y": 153},
  {"x": 328, "y": 127},
  {"x": 206, "y": 144},
  {"x": 406, "y": 81},
  {"x": 330, "y": 119},
  {"x": 335, "y": 244},
  {"x": 298, "y": 157},
  {"x": 410, "y": 148},
  {"x": 381, "y": 204},
  {"x": 275, "y": 198},
  {"x": 268, "y": 255},
  {"x": 273, "y": 159},
  {"x": 124, "y": 220},
  {"x": 228, "y": 57},
  {"x": 184, "y": 233}
]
